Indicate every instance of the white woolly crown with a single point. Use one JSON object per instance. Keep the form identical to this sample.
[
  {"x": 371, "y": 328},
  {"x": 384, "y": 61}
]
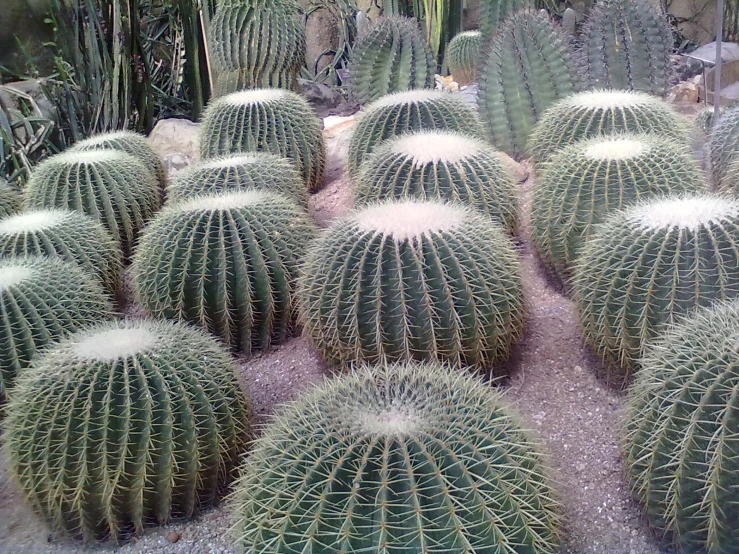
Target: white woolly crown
[
  {"x": 254, "y": 96},
  {"x": 608, "y": 99},
  {"x": 406, "y": 97},
  {"x": 686, "y": 213},
  {"x": 432, "y": 147},
  {"x": 11, "y": 275},
  {"x": 114, "y": 344},
  {"x": 90, "y": 156},
  {"x": 410, "y": 219},
  {"x": 29, "y": 222},
  {"x": 393, "y": 421},
  {"x": 223, "y": 201},
  {"x": 231, "y": 161},
  {"x": 615, "y": 149}
]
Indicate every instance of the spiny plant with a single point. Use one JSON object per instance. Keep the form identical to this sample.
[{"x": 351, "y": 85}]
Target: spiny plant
[
  {"x": 627, "y": 46},
  {"x": 682, "y": 432},
  {"x": 494, "y": 12},
  {"x": 731, "y": 180},
  {"x": 42, "y": 299},
  {"x": 259, "y": 170},
  {"x": 602, "y": 112},
  {"x": 587, "y": 180},
  {"x": 440, "y": 165},
  {"x": 71, "y": 235},
  {"x": 400, "y": 449},
  {"x": 266, "y": 120},
  {"x": 391, "y": 56},
  {"x": 403, "y": 112},
  {"x": 649, "y": 263},
  {"x": 124, "y": 424},
  {"x": 111, "y": 186},
  {"x": 723, "y": 145},
  {"x": 10, "y": 200},
  {"x": 226, "y": 262},
  {"x": 462, "y": 54},
  {"x": 412, "y": 280},
  {"x": 526, "y": 68},
  {"x": 256, "y": 44}
]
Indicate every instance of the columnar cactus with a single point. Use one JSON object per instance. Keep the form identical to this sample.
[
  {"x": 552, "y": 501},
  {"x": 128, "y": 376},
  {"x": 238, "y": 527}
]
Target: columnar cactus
[
  {"x": 124, "y": 424},
  {"x": 266, "y": 120},
  {"x": 412, "y": 458},
  {"x": 259, "y": 170},
  {"x": 42, "y": 299},
  {"x": 589, "y": 179},
  {"x": 526, "y": 68},
  {"x": 412, "y": 280},
  {"x": 683, "y": 432},
  {"x": 462, "y": 54},
  {"x": 10, "y": 200},
  {"x": 113, "y": 187},
  {"x": 391, "y": 56},
  {"x": 403, "y": 112},
  {"x": 71, "y": 235},
  {"x": 649, "y": 263},
  {"x": 440, "y": 165},
  {"x": 226, "y": 262},
  {"x": 600, "y": 112},
  {"x": 627, "y": 46},
  {"x": 494, "y": 12},
  {"x": 724, "y": 145}
]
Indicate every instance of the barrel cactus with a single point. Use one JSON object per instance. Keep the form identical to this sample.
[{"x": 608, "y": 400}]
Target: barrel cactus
[
  {"x": 462, "y": 54},
  {"x": 391, "y": 56},
  {"x": 42, "y": 299},
  {"x": 412, "y": 280},
  {"x": 649, "y": 263},
  {"x": 259, "y": 170},
  {"x": 10, "y": 200},
  {"x": 403, "y": 458},
  {"x": 494, "y": 12},
  {"x": 627, "y": 46},
  {"x": 266, "y": 120},
  {"x": 113, "y": 187},
  {"x": 731, "y": 180},
  {"x": 723, "y": 145},
  {"x": 124, "y": 424},
  {"x": 71, "y": 235},
  {"x": 526, "y": 68},
  {"x": 589, "y": 179},
  {"x": 403, "y": 112},
  {"x": 441, "y": 165},
  {"x": 602, "y": 112},
  {"x": 256, "y": 44},
  {"x": 227, "y": 262}
]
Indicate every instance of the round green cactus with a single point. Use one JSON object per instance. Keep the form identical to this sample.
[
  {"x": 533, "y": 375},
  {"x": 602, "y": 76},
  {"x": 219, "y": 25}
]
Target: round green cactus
[
  {"x": 441, "y": 165},
  {"x": 391, "y": 56},
  {"x": 412, "y": 280},
  {"x": 462, "y": 54},
  {"x": 259, "y": 170},
  {"x": 130, "y": 143},
  {"x": 42, "y": 299},
  {"x": 494, "y": 12},
  {"x": 402, "y": 458},
  {"x": 269, "y": 120},
  {"x": 71, "y": 235},
  {"x": 649, "y": 263},
  {"x": 227, "y": 262},
  {"x": 599, "y": 112},
  {"x": 683, "y": 432},
  {"x": 10, "y": 200},
  {"x": 403, "y": 112},
  {"x": 111, "y": 186},
  {"x": 589, "y": 179},
  {"x": 124, "y": 424},
  {"x": 731, "y": 180},
  {"x": 723, "y": 145}
]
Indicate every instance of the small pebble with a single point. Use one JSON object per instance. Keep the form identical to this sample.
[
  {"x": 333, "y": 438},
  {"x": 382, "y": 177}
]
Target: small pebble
[{"x": 173, "y": 536}]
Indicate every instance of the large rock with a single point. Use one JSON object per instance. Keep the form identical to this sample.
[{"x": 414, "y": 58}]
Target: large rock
[{"x": 177, "y": 141}]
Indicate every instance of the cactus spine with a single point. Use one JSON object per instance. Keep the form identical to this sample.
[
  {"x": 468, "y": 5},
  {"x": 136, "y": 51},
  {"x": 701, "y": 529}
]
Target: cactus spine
[{"x": 462, "y": 54}]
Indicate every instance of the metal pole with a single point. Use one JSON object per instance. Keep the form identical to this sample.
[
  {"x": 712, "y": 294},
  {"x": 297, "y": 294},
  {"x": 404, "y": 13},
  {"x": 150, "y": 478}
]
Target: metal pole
[{"x": 719, "y": 61}]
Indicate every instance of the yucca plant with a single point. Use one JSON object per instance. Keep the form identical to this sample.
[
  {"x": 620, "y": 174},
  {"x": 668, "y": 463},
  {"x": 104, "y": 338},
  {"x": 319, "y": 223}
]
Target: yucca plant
[
  {"x": 723, "y": 145},
  {"x": 462, "y": 55},
  {"x": 682, "y": 429},
  {"x": 397, "y": 451},
  {"x": 266, "y": 120},
  {"x": 124, "y": 424},
  {"x": 440, "y": 165},
  {"x": 10, "y": 200}
]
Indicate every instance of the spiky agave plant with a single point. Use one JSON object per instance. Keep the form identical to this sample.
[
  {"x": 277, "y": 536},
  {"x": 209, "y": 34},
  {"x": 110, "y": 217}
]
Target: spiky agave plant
[
  {"x": 403, "y": 112},
  {"x": 111, "y": 186},
  {"x": 723, "y": 145},
  {"x": 601, "y": 112},
  {"x": 258, "y": 170},
  {"x": 42, "y": 299},
  {"x": 124, "y": 424},
  {"x": 526, "y": 68},
  {"x": 10, "y": 200},
  {"x": 412, "y": 280},
  {"x": 266, "y": 120},
  {"x": 226, "y": 262},
  {"x": 682, "y": 429},
  {"x": 440, "y": 165},
  {"x": 462, "y": 54},
  {"x": 649, "y": 263},
  {"x": 585, "y": 181},
  {"x": 400, "y": 449}
]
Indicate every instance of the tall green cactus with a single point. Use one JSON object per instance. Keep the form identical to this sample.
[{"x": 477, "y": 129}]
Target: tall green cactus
[
  {"x": 125, "y": 424},
  {"x": 256, "y": 44},
  {"x": 627, "y": 46},
  {"x": 462, "y": 56},
  {"x": 723, "y": 145},
  {"x": 527, "y": 67},
  {"x": 391, "y": 56},
  {"x": 494, "y": 12}
]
